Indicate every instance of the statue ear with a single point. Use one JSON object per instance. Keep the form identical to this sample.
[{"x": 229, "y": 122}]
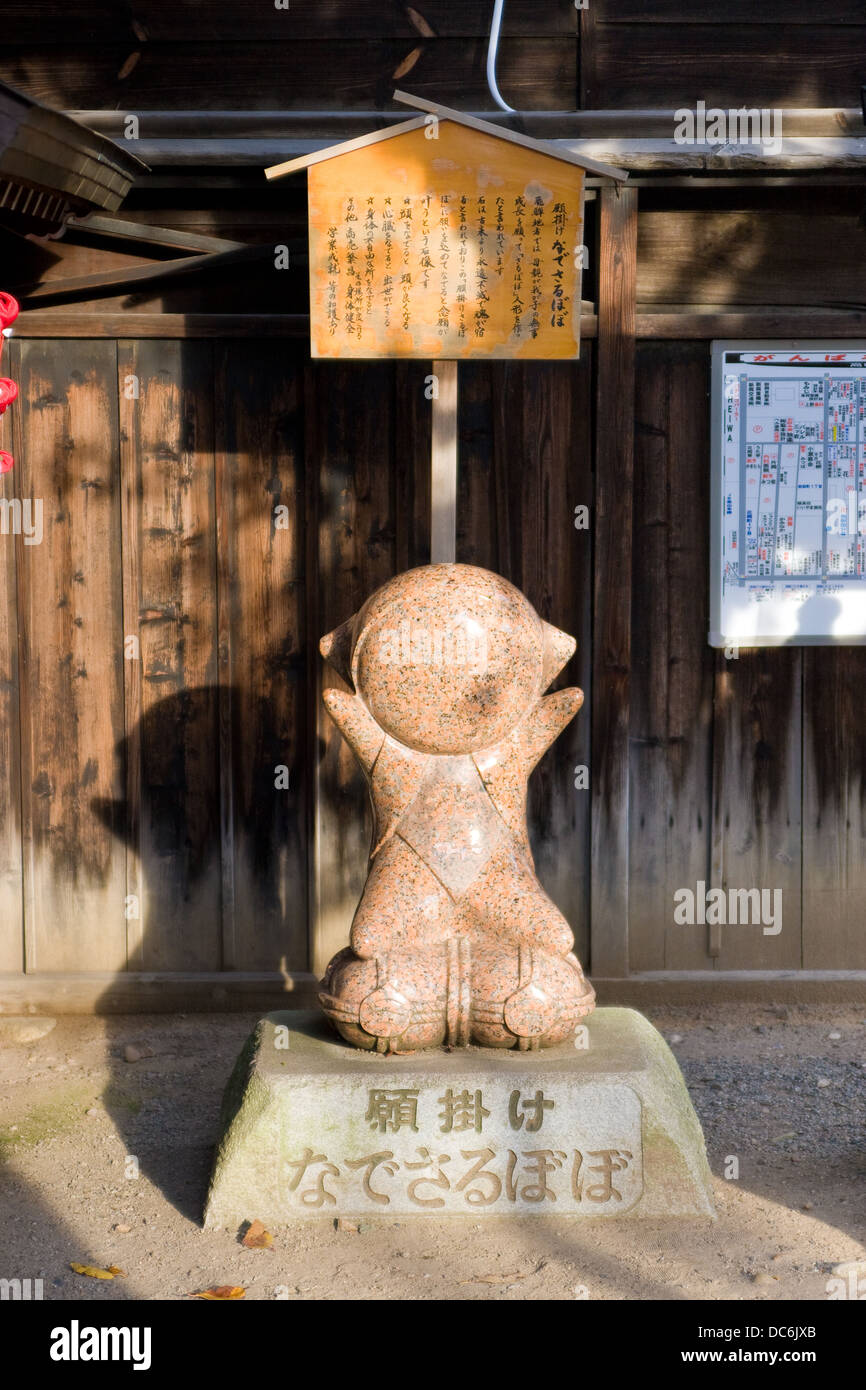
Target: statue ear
[
  {"x": 558, "y": 649},
  {"x": 336, "y": 647}
]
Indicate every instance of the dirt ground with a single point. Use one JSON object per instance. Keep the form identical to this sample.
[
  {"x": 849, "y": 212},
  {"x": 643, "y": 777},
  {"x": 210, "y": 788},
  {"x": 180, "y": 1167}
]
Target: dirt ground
[{"x": 782, "y": 1090}]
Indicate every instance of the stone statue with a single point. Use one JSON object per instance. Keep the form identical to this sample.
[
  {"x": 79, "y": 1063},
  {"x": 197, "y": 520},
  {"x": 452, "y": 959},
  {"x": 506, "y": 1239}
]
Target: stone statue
[{"x": 454, "y": 939}]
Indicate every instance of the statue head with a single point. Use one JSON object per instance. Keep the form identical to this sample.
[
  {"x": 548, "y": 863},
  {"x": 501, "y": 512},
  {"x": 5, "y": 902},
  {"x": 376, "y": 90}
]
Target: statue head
[{"x": 448, "y": 658}]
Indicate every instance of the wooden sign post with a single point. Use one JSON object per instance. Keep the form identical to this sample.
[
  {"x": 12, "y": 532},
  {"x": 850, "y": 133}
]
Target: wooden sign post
[{"x": 445, "y": 238}]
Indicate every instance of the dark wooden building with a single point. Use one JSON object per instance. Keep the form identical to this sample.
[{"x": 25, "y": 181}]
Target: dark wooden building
[{"x": 158, "y": 647}]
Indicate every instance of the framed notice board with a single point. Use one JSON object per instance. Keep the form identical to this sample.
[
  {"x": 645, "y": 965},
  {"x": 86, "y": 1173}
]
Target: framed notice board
[{"x": 788, "y": 495}]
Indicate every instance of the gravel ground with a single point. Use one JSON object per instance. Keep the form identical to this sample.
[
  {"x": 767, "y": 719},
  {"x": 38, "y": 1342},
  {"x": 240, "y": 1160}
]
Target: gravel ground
[{"x": 782, "y": 1091}]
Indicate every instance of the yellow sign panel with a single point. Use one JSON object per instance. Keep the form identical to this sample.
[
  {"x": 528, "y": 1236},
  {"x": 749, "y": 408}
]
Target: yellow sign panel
[{"x": 445, "y": 242}]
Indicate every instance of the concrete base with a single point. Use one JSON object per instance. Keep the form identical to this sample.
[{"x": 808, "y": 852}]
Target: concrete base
[{"x": 313, "y": 1127}]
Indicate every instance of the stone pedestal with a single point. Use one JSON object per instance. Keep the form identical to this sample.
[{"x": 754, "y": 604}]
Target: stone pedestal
[{"x": 601, "y": 1126}]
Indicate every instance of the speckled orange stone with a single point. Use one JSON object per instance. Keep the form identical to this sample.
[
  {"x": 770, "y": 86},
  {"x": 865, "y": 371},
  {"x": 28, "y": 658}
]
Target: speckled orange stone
[{"x": 454, "y": 939}]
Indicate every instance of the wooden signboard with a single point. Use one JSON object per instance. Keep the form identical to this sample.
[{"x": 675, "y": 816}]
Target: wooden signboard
[
  {"x": 445, "y": 238},
  {"x": 445, "y": 243}
]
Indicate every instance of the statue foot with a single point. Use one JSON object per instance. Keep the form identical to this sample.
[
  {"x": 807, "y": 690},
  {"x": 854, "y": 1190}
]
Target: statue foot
[{"x": 407, "y": 1001}]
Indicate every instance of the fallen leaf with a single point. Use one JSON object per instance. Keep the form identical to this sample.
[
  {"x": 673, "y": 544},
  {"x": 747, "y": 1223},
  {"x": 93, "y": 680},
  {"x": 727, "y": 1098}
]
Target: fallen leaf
[
  {"x": 407, "y": 64},
  {"x": 128, "y": 66},
  {"x": 221, "y": 1293},
  {"x": 93, "y": 1273},
  {"x": 257, "y": 1238},
  {"x": 420, "y": 23}
]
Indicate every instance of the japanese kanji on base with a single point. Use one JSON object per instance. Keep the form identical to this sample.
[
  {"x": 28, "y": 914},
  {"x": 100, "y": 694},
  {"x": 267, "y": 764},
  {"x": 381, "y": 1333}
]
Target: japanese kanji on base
[{"x": 600, "y": 1126}]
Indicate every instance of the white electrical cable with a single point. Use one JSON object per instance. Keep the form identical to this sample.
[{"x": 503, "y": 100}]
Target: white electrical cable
[{"x": 495, "y": 26}]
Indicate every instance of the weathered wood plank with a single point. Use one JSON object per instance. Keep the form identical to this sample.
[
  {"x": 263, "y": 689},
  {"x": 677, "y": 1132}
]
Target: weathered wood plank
[
  {"x": 71, "y": 652},
  {"x": 235, "y": 991},
  {"x": 614, "y": 464},
  {"x": 551, "y": 474},
  {"x": 170, "y": 607},
  {"x": 532, "y": 72},
  {"x": 113, "y": 322},
  {"x": 483, "y": 532},
  {"x": 263, "y": 660},
  {"x": 758, "y": 65},
  {"x": 763, "y": 253},
  {"x": 350, "y": 519},
  {"x": 735, "y": 14},
  {"x": 590, "y": 97},
  {"x": 834, "y": 820},
  {"x": 413, "y": 429},
  {"x": 100, "y": 22},
  {"x": 757, "y": 771},
  {"x": 119, "y": 229},
  {"x": 672, "y": 667},
  {"x": 780, "y": 324},
  {"x": 163, "y": 992},
  {"x": 11, "y": 884}
]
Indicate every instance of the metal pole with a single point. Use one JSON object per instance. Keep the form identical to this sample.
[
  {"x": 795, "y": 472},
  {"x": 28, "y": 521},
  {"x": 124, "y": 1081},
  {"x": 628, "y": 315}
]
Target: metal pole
[{"x": 443, "y": 466}]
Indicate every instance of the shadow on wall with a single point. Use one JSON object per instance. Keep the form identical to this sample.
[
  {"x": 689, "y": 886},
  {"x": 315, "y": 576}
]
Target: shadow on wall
[
  {"x": 204, "y": 895},
  {"x": 208, "y": 891}
]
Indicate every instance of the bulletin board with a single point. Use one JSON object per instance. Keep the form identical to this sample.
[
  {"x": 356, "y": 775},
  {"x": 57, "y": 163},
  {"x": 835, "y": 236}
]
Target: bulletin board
[{"x": 788, "y": 494}]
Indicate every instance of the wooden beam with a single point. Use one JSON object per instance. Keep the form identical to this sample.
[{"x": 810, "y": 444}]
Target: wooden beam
[
  {"x": 112, "y": 281},
  {"x": 359, "y": 142},
  {"x": 614, "y": 464},
  {"x": 117, "y": 227},
  {"x": 134, "y": 991},
  {"x": 63, "y": 323},
  {"x": 775, "y": 322},
  {"x": 338, "y": 125},
  {"x": 694, "y": 988},
  {"x": 559, "y": 150},
  {"x": 236, "y": 991}
]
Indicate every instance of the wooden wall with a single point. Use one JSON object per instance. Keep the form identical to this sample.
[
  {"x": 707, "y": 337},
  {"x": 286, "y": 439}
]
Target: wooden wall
[
  {"x": 747, "y": 772},
  {"x": 158, "y": 647},
  {"x": 310, "y": 55},
  {"x": 639, "y": 53},
  {"x": 155, "y": 647},
  {"x": 315, "y": 54},
  {"x": 153, "y": 776}
]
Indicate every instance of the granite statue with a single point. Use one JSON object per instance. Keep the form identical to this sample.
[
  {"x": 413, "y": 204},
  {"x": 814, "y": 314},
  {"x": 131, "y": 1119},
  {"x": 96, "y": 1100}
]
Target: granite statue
[{"x": 454, "y": 940}]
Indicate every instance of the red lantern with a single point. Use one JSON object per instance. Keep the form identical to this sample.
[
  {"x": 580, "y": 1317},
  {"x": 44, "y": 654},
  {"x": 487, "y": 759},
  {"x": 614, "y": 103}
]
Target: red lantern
[{"x": 8, "y": 389}]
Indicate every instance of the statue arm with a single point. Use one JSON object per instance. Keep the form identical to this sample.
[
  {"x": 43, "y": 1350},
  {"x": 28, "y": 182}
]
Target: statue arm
[
  {"x": 546, "y": 723},
  {"x": 356, "y": 724},
  {"x": 510, "y": 762}
]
